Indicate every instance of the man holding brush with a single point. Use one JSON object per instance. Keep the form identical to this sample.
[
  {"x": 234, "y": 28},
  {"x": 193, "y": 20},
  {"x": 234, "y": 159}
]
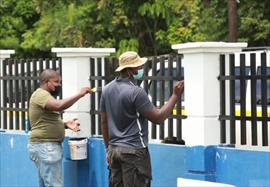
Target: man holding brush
[
  {"x": 48, "y": 129},
  {"x": 125, "y": 111}
]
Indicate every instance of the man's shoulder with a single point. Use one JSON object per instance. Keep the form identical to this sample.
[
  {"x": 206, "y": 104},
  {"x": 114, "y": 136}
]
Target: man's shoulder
[
  {"x": 138, "y": 89},
  {"x": 109, "y": 85},
  {"x": 40, "y": 91},
  {"x": 39, "y": 94}
]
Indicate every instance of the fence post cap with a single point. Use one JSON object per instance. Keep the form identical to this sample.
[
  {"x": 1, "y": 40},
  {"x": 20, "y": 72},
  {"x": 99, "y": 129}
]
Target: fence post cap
[
  {"x": 209, "y": 47},
  {"x": 86, "y": 52},
  {"x": 6, "y": 53}
]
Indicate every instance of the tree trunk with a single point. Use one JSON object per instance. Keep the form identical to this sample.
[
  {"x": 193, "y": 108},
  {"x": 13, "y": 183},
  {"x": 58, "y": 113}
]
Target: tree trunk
[
  {"x": 206, "y": 3},
  {"x": 232, "y": 20}
]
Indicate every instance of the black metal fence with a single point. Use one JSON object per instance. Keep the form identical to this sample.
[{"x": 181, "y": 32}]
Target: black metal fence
[
  {"x": 244, "y": 94},
  {"x": 245, "y": 99},
  {"x": 160, "y": 75},
  {"x": 19, "y": 78}
]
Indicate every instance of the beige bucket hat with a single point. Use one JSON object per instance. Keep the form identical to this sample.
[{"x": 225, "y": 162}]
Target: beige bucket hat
[{"x": 130, "y": 59}]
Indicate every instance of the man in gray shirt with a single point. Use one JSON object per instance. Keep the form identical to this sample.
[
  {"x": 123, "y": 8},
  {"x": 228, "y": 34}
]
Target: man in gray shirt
[{"x": 125, "y": 111}]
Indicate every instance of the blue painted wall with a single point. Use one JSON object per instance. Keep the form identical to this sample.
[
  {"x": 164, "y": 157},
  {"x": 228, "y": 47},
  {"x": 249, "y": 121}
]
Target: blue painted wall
[
  {"x": 212, "y": 163},
  {"x": 16, "y": 169},
  {"x": 168, "y": 163},
  {"x": 243, "y": 168}
]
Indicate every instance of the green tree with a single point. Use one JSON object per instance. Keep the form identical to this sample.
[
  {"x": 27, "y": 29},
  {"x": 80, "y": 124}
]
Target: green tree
[
  {"x": 254, "y": 21},
  {"x": 15, "y": 19},
  {"x": 150, "y": 27},
  {"x": 212, "y": 22}
]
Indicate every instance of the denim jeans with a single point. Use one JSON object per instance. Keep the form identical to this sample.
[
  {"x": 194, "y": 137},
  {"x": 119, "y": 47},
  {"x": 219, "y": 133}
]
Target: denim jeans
[
  {"x": 48, "y": 160},
  {"x": 129, "y": 167}
]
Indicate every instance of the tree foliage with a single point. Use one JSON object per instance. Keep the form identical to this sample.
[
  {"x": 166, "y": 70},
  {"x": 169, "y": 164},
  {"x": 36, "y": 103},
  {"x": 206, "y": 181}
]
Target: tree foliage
[
  {"x": 255, "y": 22},
  {"x": 15, "y": 18},
  {"x": 150, "y": 27}
]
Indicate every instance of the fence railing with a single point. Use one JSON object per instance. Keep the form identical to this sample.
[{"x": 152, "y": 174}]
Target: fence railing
[
  {"x": 19, "y": 78},
  {"x": 245, "y": 98},
  {"x": 244, "y": 94}
]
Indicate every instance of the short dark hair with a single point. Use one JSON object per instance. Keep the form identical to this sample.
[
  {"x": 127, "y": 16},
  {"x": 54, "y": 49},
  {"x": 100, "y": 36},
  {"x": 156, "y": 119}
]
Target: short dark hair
[{"x": 46, "y": 75}]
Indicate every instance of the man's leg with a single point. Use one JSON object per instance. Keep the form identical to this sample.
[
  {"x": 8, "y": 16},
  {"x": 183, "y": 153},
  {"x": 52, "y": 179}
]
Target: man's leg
[
  {"x": 115, "y": 175},
  {"x": 136, "y": 168},
  {"x": 33, "y": 155},
  {"x": 49, "y": 156}
]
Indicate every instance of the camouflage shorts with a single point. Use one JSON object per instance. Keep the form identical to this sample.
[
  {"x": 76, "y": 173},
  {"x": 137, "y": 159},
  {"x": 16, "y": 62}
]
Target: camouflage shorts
[{"x": 129, "y": 167}]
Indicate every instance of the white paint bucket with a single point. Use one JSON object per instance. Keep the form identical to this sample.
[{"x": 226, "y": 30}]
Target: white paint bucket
[{"x": 78, "y": 148}]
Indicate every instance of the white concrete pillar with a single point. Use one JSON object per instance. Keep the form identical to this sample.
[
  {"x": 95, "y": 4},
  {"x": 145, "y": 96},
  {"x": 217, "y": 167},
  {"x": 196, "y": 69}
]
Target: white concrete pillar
[
  {"x": 3, "y": 55},
  {"x": 202, "y": 97},
  {"x": 75, "y": 75}
]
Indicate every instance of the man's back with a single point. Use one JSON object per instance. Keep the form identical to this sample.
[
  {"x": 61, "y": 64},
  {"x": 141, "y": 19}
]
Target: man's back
[
  {"x": 123, "y": 102},
  {"x": 125, "y": 109}
]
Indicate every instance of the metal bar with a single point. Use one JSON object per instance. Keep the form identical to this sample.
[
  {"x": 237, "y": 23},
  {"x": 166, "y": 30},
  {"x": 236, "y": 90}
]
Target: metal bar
[
  {"x": 253, "y": 99},
  {"x": 10, "y": 95},
  {"x": 114, "y": 66},
  {"x": 146, "y": 84},
  {"x": 163, "y": 78},
  {"x": 47, "y": 63},
  {"x": 243, "y": 98},
  {"x": 98, "y": 94},
  {"x": 247, "y": 77},
  {"x": 107, "y": 70},
  {"x": 222, "y": 99},
  {"x": 28, "y": 74},
  {"x": 41, "y": 66},
  {"x": 179, "y": 76},
  {"x": 264, "y": 100},
  {"x": 17, "y": 96},
  {"x": 13, "y": 109},
  {"x": 229, "y": 117},
  {"x": 92, "y": 97},
  {"x": 7, "y": 78},
  {"x": 232, "y": 98},
  {"x": 23, "y": 88},
  {"x": 161, "y": 96},
  {"x": 54, "y": 67},
  {"x": 170, "y": 72},
  {"x": 145, "y": 81},
  {"x": 4, "y": 104},
  {"x": 34, "y": 74},
  {"x": 60, "y": 72},
  {"x": 154, "y": 94}
]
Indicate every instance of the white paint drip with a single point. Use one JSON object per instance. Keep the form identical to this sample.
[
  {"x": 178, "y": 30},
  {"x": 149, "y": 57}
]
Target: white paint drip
[
  {"x": 11, "y": 142},
  {"x": 225, "y": 157},
  {"x": 217, "y": 155}
]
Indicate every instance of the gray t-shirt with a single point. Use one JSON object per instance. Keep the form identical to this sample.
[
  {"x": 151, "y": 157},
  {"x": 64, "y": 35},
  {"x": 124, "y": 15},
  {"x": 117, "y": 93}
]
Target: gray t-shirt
[{"x": 124, "y": 103}]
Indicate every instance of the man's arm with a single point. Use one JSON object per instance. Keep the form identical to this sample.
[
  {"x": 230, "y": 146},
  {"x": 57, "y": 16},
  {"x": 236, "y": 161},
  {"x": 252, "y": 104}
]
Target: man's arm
[
  {"x": 59, "y": 105},
  {"x": 105, "y": 133},
  {"x": 104, "y": 128},
  {"x": 159, "y": 115}
]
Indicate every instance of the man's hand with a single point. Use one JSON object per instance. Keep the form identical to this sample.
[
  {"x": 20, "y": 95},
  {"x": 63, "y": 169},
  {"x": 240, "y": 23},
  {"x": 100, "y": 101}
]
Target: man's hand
[
  {"x": 73, "y": 125},
  {"x": 85, "y": 90},
  {"x": 179, "y": 88}
]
